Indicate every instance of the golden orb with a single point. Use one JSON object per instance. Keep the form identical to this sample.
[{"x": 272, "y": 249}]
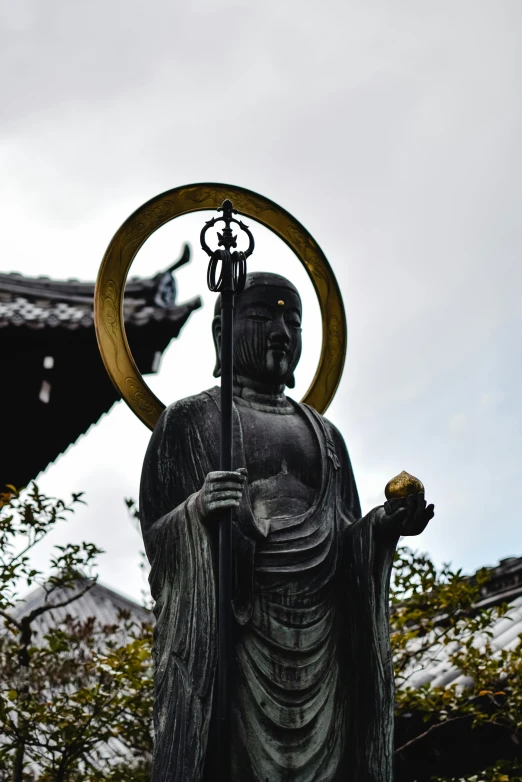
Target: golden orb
[{"x": 403, "y": 485}]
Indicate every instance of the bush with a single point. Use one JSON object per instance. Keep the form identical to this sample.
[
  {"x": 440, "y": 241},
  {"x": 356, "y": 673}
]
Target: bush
[{"x": 75, "y": 694}]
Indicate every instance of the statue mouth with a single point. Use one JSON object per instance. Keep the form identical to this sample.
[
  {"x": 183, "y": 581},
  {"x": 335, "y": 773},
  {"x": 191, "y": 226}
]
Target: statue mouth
[{"x": 282, "y": 349}]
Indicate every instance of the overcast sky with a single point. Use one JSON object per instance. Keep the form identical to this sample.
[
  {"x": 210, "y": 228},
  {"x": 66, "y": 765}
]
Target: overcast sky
[{"x": 392, "y": 130}]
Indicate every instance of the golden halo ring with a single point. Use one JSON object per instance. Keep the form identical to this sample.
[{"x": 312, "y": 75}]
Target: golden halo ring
[{"x": 129, "y": 238}]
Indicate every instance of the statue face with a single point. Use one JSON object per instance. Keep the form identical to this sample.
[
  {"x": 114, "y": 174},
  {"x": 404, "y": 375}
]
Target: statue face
[{"x": 267, "y": 334}]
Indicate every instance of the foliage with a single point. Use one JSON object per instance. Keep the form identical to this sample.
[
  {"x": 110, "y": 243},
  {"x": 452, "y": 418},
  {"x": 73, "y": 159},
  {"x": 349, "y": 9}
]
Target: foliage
[
  {"x": 434, "y": 616},
  {"x": 502, "y": 771},
  {"x": 70, "y": 690}
]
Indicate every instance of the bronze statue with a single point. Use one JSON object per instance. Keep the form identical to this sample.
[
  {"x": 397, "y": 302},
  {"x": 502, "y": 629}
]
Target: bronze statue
[{"x": 312, "y": 692}]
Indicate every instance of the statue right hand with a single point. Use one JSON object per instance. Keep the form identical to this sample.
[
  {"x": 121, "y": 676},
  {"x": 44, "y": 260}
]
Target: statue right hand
[{"x": 221, "y": 490}]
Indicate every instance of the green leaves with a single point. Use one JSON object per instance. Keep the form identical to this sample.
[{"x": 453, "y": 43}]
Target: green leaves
[
  {"x": 68, "y": 691},
  {"x": 434, "y": 617},
  {"x": 501, "y": 771},
  {"x": 81, "y": 695},
  {"x": 26, "y": 517}
]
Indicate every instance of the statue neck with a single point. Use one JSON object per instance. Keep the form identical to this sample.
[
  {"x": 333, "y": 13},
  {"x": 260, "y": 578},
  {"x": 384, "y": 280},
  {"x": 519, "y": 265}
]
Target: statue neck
[{"x": 261, "y": 396}]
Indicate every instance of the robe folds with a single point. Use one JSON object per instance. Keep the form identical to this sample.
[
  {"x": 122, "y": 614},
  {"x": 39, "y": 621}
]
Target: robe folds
[{"x": 312, "y": 693}]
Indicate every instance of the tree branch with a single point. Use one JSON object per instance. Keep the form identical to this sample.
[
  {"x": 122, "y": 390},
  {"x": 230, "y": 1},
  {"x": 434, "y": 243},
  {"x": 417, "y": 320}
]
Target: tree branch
[
  {"x": 30, "y": 545},
  {"x": 50, "y": 606},
  {"x": 431, "y": 730},
  {"x": 10, "y": 619}
]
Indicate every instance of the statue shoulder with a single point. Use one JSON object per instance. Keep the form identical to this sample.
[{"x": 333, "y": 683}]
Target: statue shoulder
[
  {"x": 334, "y": 432},
  {"x": 196, "y": 411},
  {"x": 331, "y": 432}
]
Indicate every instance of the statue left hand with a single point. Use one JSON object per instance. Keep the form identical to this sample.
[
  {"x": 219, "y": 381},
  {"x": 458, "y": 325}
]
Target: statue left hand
[{"x": 410, "y": 518}]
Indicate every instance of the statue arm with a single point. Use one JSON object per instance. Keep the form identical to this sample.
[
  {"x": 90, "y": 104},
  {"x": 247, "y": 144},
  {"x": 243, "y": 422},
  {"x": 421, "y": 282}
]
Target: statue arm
[
  {"x": 391, "y": 520},
  {"x": 179, "y": 549},
  {"x": 178, "y": 459},
  {"x": 364, "y": 576}
]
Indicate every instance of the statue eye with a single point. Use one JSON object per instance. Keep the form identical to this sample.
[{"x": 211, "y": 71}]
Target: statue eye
[{"x": 259, "y": 317}]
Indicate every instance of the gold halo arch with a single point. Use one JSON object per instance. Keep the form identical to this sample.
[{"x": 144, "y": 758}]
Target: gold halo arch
[{"x": 130, "y": 237}]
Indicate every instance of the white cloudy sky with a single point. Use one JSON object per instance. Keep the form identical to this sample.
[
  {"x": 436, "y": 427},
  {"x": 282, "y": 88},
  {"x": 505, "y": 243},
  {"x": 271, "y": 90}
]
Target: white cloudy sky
[{"x": 390, "y": 129}]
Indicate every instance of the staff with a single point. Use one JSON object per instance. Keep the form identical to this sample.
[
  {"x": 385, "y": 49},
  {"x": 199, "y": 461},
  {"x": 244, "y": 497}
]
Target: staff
[{"x": 231, "y": 264}]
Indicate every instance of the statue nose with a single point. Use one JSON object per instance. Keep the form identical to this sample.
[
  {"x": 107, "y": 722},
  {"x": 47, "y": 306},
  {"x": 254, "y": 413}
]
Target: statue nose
[{"x": 280, "y": 336}]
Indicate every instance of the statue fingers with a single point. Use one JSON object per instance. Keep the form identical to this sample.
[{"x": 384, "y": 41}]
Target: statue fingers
[
  {"x": 224, "y": 485},
  {"x": 423, "y": 517},
  {"x": 419, "y": 523},
  {"x": 395, "y": 520},
  {"x": 411, "y": 502},
  {"x": 417, "y": 527},
  {"x": 420, "y": 502},
  {"x": 227, "y": 494},
  {"x": 227, "y": 476},
  {"x": 411, "y": 508},
  {"x": 391, "y": 521},
  {"x": 429, "y": 512},
  {"x": 218, "y": 475},
  {"x": 220, "y": 504},
  {"x": 215, "y": 475}
]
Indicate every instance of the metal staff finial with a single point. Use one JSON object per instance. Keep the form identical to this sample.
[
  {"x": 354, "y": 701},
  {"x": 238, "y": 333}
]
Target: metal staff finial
[
  {"x": 230, "y": 283},
  {"x": 237, "y": 259}
]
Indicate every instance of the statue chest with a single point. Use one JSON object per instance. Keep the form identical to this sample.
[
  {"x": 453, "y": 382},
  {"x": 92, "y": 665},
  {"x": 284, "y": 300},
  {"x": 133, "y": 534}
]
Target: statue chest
[{"x": 283, "y": 459}]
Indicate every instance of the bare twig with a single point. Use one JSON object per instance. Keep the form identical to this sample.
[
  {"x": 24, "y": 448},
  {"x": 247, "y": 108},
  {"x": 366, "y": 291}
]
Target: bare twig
[
  {"x": 430, "y": 730},
  {"x": 10, "y": 619},
  {"x": 51, "y": 606}
]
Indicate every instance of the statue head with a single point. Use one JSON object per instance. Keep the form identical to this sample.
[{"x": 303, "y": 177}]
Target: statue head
[{"x": 267, "y": 331}]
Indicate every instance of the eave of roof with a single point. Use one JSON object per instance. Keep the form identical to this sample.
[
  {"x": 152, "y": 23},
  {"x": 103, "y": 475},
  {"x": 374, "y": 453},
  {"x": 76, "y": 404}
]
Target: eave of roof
[
  {"x": 100, "y": 602},
  {"x": 48, "y": 341},
  {"x": 36, "y": 315},
  {"x": 503, "y": 586},
  {"x": 40, "y": 302}
]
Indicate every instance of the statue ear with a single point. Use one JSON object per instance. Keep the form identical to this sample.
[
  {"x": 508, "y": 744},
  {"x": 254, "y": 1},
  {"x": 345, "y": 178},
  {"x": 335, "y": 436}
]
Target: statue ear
[
  {"x": 216, "y": 334},
  {"x": 290, "y": 383}
]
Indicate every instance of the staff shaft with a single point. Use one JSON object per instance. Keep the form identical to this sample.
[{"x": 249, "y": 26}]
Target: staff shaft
[
  {"x": 225, "y": 541},
  {"x": 229, "y": 281}
]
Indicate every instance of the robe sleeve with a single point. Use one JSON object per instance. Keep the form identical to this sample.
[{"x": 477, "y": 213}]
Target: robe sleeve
[
  {"x": 366, "y": 564},
  {"x": 182, "y": 583},
  {"x": 347, "y": 492}
]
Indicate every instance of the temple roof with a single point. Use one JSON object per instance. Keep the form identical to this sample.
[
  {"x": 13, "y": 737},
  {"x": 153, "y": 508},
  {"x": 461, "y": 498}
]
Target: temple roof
[
  {"x": 57, "y": 386},
  {"x": 454, "y": 749},
  {"x": 504, "y": 586},
  {"x": 100, "y": 602},
  {"x": 40, "y": 302}
]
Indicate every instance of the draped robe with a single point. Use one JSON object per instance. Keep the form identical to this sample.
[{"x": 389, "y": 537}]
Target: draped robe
[{"x": 312, "y": 694}]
